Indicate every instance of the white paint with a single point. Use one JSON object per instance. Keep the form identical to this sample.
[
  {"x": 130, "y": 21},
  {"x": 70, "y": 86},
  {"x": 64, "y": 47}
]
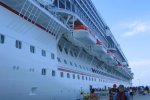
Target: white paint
[{"x": 18, "y": 82}]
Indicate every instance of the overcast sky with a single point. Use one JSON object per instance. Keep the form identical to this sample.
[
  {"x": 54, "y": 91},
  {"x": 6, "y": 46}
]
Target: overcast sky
[{"x": 129, "y": 21}]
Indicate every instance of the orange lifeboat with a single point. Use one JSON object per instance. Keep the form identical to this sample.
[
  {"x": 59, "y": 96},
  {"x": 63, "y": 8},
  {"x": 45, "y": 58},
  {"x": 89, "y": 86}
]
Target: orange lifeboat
[
  {"x": 84, "y": 35},
  {"x": 109, "y": 55},
  {"x": 99, "y": 48},
  {"x": 109, "y": 58}
]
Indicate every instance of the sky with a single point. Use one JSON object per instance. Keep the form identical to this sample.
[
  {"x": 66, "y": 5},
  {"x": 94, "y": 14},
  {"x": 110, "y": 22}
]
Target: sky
[{"x": 129, "y": 21}]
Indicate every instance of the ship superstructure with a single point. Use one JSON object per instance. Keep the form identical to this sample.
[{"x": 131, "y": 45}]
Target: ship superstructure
[{"x": 50, "y": 49}]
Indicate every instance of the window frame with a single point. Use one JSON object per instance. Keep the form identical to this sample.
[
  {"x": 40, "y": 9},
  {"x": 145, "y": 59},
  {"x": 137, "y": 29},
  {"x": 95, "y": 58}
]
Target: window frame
[
  {"x": 58, "y": 59},
  {"x": 82, "y": 77},
  {"x": 2, "y": 39},
  {"x": 53, "y": 73},
  {"x": 18, "y": 44},
  {"x": 43, "y": 53},
  {"x": 52, "y": 56},
  {"x": 68, "y": 75},
  {"x": 71, "y": 53},
  {"x": 44, "y": 71},
  {"x": 60, "y": 48},
  {"x": 65, "y": 61},
  {"x": 32, "y": 49},
  {"x": 75, "y": 65},
  {"x": 73, "y": 76},
  {"x": 86, "y": 78},
  {"x": 78, "y": 77},
  {"x": 66, "y": 50},
  {"x": 71, "y": 63},
  {"x": 61, "y": 74}
]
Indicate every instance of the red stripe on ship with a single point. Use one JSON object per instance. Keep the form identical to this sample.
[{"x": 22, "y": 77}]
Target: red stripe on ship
[{"x": 70, "y": 71}]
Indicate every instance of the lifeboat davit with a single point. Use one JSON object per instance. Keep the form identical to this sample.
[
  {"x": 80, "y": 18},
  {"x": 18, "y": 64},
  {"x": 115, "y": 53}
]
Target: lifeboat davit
[{"x": 84, "y": 35}]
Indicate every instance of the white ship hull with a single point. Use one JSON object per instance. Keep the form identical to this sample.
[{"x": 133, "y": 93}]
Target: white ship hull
[{"x": 21, "y": 71}]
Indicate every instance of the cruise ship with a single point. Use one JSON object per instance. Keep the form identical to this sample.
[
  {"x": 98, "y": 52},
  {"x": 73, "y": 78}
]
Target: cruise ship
[{"x": 56, "y": 49}]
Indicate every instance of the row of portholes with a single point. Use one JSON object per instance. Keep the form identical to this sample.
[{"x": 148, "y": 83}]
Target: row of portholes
[
  {"x": 74, "y": 76},
  {"x": 19, "y": 45},
  {"x": 68, "y": 75},
  {"x": 85, "y": 68},
  {"x": 18, "y": 68}
]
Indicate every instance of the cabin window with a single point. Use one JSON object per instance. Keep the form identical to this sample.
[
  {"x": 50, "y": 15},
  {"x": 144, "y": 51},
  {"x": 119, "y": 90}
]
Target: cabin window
[
  {"x": 66, "y": 51},
  {"x": 68, "y": 75},
  {"x": 58, "y": 59},
  {"x": 43, "y": 71},
  {"x": 43, "y": 53},
  {"x": 75, "y": 54},
  {"x": 2, "y": 39},
  {"x": 61, "y": 74},
  {"x": 71, "y": 53},
  {"x": 78, "y": 76},
  {"x": 18, "y": 44},
  {"x": 52, "y": 56},
  {"x": 83, "y": 67},
  {"x": 89, "y": 79},
  {"x": 75, "y": 64},
  {"x": 73, "y": 75},
  {"x": 80, "y": 66},
  {"x": 71, "y": 63},
  {"x": 60, "y": 48},
  {"x": 65, "y": 61},
  {"x": 32, "y": 49},
  {"x": 53, "y": 73},
  {"x": 82, "y": 77},
  {"x": 86, "y": 78}
]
